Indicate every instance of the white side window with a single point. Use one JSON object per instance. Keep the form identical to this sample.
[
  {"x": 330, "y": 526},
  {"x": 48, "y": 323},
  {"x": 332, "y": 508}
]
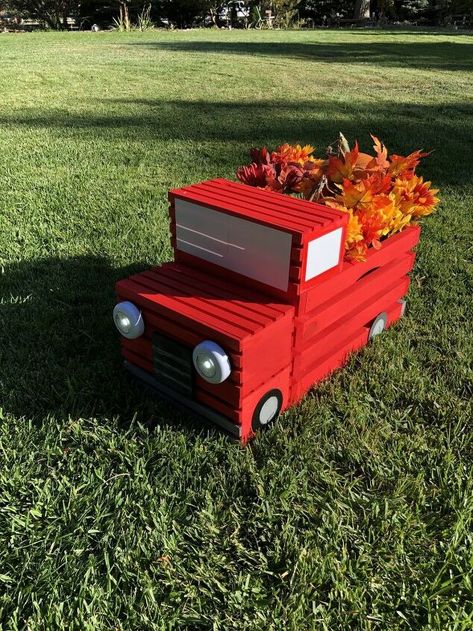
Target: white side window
[
  {"x": 241, "y": 245},
  {"x": 323, "y": 253}
]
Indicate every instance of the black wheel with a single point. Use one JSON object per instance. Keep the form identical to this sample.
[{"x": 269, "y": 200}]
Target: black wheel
[
  {"x": 267, "y": 409},
  {"x": 378, "y": 325}
]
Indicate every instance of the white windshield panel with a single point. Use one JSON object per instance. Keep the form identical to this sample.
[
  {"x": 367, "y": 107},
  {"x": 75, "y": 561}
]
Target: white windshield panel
[{"x": 240, "y": 245}]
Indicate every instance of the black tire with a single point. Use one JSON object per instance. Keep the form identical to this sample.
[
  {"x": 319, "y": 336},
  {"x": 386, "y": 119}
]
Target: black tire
[
  {"x": 267, "y": 410},
  {"x": 378, "y": 325}
]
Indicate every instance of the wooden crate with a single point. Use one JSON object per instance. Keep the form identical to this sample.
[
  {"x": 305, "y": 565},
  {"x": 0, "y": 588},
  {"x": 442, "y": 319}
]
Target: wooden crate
[{"x": 262, "y": 274}]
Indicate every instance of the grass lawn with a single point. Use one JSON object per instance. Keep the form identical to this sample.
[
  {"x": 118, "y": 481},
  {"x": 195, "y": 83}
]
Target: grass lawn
[{"x": 118, "y": 512}]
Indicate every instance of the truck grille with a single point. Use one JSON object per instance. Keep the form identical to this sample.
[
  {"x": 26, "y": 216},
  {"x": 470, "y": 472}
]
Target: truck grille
[{"x": 173, "y": 364}]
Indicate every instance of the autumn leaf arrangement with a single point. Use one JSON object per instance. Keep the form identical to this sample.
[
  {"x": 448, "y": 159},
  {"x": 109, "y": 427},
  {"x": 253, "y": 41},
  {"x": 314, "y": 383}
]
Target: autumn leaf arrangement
[{"x": 381, "y": 192}]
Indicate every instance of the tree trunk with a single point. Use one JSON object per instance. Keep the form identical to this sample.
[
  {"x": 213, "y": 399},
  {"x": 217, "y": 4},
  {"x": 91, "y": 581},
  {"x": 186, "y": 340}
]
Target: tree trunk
[
  {"x": 362, "y": 10},
  {"x": 124, "y": 19},
  {"x": 127, "y": 18}
]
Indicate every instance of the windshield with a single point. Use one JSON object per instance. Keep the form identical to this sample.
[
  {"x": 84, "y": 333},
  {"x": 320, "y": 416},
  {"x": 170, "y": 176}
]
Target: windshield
[{"x": 240, "y": 245}]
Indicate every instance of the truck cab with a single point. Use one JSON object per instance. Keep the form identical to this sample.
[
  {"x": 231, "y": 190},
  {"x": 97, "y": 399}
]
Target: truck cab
[{"x": 257, "y": 306}]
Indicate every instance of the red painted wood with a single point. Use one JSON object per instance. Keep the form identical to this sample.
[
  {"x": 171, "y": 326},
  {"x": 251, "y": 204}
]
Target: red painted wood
[
  {"x": 287, "y": 340},
  {"x": 315, "y": 346},
  {"x": 297, "y": 254},
  {"x": 228, "y": 197},
  {"x": 212, "y": 328},
  {"x": 232, "y": 413},
  {"x": 342, "y": 222},
  {"x": 227, "y": 392},
  {"x": 304, "y": 220},
  {"x": 394, "y": 313},
  {"x": 231, "y": 311},
  {"x": 317, "y": 213},
  {"x": 237, "y": 313},
  {"x": 321, "y": 344},
  {"x": 143, "y": 348},
  {"x": 235, "y": 279},
  {"x": 228, "y": 315},
  {"x": 280, "y": 381},
  {"x": 268, "y": 212},
  {"x": 267, "y": 345},
  {"x": 336, "y": 355},
  {"x": 244, "y": 213},
  {"x": 179, "y": 332},
  {"x": 254, "y": 312},
  {"x": 269, "y": 351},
  {"x": 368, "y": 288},
  {"x": 272, "y": 209},
  {"x": 334, "y": 360},
  {"x": 138, "y": 360},
  {"x": 224, "y": 396},
  {"x": 392, "y": 248},
  {"x": 367, "y": 311},
  {"x": 223, "y": 289}
]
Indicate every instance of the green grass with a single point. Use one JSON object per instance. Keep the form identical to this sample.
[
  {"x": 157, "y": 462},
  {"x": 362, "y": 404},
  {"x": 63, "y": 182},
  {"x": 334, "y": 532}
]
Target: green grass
[{"x": 117, "y": 512}]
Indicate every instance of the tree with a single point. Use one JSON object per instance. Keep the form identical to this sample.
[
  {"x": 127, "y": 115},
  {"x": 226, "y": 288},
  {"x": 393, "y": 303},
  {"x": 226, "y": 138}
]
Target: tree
[
  {"x": 382, "y": 9},
  {"x": 323, "y": 11},
  {"x": 285, "y": 11},
  {"x": 362, "y": 9},
  {"x": 52, "y": 12},
  {"x": 182, "y": 13},
  {"x": 410, "y": 9}
]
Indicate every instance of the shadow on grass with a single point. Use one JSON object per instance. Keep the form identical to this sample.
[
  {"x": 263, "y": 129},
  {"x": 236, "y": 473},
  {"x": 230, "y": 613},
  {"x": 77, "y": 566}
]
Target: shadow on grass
[
  {"x": 60, "y": 352},
  {"x": 442, "y": 127},
  {"x": 421, "y": 55}
]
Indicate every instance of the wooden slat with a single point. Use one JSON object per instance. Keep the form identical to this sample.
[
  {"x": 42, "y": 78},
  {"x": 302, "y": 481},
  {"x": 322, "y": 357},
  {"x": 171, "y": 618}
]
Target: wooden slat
[
  {"x": 370, "y": 296},
  {"x": 210, "y": 295},
  {"x": 138, "y": 360},
  {"x": 325, "y": 366},
  {"x": 315, "y": 347},
  {"x": 221, "y": 318},
  {"x": 261, "y": 302},
  {"x": 143, "y": 348},
  {"x": 180, "y": 332},
  {"x": 251, "y": 215},
  {"x": 190, "y": 317},
  {"x": 216, "y": 404},
  {"x": 302, "y": 206},
  {"x": 234, "y": 279},
  {"x": 392, "y": 248},
  {"x": 228, "y": 310},
  {"x": 248, "y": 199}
]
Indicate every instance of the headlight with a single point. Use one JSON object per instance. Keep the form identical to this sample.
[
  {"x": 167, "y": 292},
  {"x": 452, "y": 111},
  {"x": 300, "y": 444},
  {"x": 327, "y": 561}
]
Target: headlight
[
  {"x": 128, "y": 320},
  {"x": 211, "y": 362}
]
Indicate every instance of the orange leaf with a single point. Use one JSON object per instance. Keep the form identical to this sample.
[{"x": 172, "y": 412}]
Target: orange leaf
[
  {"x": 381, "y": 159},
  {"x": 342, "y": 168}
]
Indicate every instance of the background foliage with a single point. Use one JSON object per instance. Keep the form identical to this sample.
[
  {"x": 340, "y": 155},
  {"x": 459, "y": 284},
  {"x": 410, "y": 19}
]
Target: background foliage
[{"x": 242, "y": 13}]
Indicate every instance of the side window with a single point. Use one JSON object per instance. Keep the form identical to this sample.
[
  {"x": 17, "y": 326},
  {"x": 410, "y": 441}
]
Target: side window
[{"x": 323, "y": 253}]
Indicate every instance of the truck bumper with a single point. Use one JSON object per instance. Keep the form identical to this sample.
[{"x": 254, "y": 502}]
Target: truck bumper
[{"x": 188, "y": 404}]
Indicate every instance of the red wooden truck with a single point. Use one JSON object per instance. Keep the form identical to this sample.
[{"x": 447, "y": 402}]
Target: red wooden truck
[{"x": 258, "y": 305}]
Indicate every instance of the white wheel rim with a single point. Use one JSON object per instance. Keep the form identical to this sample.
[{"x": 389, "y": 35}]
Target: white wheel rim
[
  {"x": 268, "y": 410},
  {"x": 378, "y": 327}
]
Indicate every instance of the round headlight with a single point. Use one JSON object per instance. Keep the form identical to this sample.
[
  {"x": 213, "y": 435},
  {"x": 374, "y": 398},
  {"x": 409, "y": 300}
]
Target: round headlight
[
  {"x": 128, "y": 320},
  {"x": 211, "y": 362}
]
